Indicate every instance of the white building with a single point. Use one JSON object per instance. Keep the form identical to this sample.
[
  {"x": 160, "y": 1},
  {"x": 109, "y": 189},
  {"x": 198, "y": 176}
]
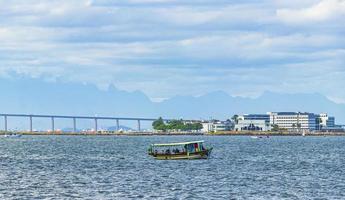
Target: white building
[
  {"x": 253, "y": 122},
  {"x": 325, "y": 122},
  {"x": 216, "y": 126},
  {"x": 293, "y": 120},
  {"x": 252, "y": 125},
  {"x": 206, "y": 127},
  {"x": 285, "y": 120}
]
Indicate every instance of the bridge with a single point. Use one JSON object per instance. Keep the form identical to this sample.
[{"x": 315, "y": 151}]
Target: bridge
[{"x": 74, "y": 120}]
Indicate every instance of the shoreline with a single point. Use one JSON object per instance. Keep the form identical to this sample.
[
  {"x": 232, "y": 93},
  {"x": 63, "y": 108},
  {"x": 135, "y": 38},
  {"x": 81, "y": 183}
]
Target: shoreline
[{"x": 263, "y": 134}]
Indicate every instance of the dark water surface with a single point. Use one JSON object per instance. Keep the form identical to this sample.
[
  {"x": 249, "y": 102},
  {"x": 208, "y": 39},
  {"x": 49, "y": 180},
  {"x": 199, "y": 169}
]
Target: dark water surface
[{"x": 115, "y": 167}]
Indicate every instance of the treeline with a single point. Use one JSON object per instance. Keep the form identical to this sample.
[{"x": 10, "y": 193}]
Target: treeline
[{"x": 175, "y": 125}]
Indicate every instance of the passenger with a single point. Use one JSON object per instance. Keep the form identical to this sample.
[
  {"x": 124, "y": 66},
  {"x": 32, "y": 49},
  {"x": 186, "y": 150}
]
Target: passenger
[
  {"x": 177, "y": 151},
  {"x": 167, "y": 151},
  {"x": 156, "y": 151}
]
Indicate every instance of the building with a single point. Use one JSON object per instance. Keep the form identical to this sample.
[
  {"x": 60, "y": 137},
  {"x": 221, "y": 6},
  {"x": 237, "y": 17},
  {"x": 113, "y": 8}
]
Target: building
[
  {"x": 293, "y": 120},
  {"x": 216, "y": 126},
  {"x": 325, "y": 122},
  {"x": 206, "y": 126},
  {"x": 253, "y": 122}
]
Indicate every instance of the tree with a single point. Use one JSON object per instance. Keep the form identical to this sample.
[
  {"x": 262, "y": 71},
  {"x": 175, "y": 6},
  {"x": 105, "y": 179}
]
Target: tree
[
  {"x": 299, "y": 125},
  {"x": 318, "y": 122},
  {"x": 198, "y": 126},
  {"x": 178, "y": 125},
  {"x": 275, "y": 127},
  {"x": 175, "y": 125},
  {"x": 194, "y": 126},
  {"x": 159, "y": 124},
  {"x": 235, "y": 119}
]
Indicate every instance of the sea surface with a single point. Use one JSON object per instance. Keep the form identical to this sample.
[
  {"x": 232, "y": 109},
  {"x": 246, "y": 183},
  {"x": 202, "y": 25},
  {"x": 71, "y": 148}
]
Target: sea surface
[{"x": 117, "y": 167}]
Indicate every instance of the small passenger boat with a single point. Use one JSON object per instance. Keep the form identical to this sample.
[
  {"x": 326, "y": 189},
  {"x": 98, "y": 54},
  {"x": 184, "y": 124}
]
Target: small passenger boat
[
  {"x": 182, "y": 150},
  {"x": 12, "y": 135}
]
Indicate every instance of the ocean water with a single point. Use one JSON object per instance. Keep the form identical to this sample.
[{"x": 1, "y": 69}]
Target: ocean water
[{"x": 117, "y": 167}]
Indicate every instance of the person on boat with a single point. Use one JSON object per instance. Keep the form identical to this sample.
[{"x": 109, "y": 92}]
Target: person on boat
[{"x": 167, "y": 151}]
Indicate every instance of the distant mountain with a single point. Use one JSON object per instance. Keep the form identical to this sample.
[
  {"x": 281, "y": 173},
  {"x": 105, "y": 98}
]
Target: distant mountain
[
  {"x": 41, "y": 97},
  {"x": 221, "y": 105},
  {"x": 37, "y": 96}
]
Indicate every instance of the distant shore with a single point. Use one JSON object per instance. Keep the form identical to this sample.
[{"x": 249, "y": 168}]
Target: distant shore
[{"x": 228, "y": 133}]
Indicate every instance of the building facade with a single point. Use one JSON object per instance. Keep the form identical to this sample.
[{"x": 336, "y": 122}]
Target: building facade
[
  {"x": 293, "y": 120},
  {"x": 325, "y": 122},
  {"x": 216, "y": 126},
  {"x": 253, "y": 122}
]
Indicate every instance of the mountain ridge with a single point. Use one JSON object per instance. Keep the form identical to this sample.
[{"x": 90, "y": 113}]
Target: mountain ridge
[{"x": 35, "y": 96}]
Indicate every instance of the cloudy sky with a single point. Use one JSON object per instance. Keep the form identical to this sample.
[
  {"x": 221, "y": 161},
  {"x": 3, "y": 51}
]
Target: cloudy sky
[{"x": 178, "y": 47}]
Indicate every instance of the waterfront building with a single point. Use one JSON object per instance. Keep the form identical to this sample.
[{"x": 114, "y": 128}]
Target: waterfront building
[
  {"x": 216, "y": 126},
  {"x": 253, "y": 122},
  {"x": 294, "y": 120},
  {"x": 206, "y": 126},
  {"x": 290, "y": 121},
  {"x": 325, "y": 122}
]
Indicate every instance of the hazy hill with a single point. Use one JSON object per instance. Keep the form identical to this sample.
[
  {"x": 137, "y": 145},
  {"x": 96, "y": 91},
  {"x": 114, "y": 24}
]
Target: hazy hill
[{"x": 40, "y": 97}]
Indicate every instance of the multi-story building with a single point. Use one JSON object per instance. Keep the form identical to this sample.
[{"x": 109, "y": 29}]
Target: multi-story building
[
  {"x": 216, "y": 126},
  {"x": 293, "y": 120},
  {"x": 285, "y": 120},
  {"x": 253, "y": 122},
  {"x": 325, "y": 122}
]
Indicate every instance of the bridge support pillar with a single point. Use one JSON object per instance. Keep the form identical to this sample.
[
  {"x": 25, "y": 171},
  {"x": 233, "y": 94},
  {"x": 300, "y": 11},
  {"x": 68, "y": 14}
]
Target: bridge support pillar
[
  {"x": 139, "y": 128},
  {"x": 5, "y": 123},
  {"x": 74, "y": 125},
  {"x": 117, "y": 125},
  {"x": 53, "y": 124},
  {"x": 30, "y": 124},
  {"x": 96, "y": 124}
]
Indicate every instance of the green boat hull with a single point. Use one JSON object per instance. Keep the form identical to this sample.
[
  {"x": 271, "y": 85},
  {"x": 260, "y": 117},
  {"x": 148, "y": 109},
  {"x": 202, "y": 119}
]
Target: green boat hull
[{"x": 183, "y": 156}]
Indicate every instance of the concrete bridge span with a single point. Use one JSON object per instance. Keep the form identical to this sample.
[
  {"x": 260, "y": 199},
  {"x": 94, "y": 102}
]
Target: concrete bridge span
[{"x": 74, "y": 120}]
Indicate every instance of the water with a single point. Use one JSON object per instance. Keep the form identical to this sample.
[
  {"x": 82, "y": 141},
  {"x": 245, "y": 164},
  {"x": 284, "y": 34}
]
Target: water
[{"x": 115, "y": 167}]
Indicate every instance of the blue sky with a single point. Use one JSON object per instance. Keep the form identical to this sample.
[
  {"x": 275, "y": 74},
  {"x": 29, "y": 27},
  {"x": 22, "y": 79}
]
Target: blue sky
[{"x": 178, "y": 47}]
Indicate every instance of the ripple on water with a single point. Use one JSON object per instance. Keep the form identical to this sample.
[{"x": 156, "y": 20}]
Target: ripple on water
[{"x": 72, "y": 167}]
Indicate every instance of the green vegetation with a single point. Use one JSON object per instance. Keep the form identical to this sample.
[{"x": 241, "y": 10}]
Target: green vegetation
[
  {"x": 175, "y": 125},
  {"x": 275, "y": 128},
  {"x": 296, "y": 126},
  {"x": 235, "y": 119},
  {"x": 159, "y": 125}
]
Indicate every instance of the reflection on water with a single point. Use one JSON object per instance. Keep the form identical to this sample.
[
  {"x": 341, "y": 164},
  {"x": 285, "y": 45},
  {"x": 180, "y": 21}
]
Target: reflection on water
[{"x": 109, "y": 167}]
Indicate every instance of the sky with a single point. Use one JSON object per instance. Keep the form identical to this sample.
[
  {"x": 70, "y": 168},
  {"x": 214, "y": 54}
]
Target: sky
[{"x": 178, "y": 47}]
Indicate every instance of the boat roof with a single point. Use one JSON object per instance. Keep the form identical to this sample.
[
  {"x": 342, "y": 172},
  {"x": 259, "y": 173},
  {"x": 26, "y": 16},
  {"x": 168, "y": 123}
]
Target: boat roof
[{"x": 177, "y": 144}]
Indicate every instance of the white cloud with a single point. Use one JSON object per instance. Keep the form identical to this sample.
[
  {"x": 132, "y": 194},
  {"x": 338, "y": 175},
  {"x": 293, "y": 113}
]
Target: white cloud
[
  {"x": 323, "y": 11},
  {"x": 157, "y": 46}
]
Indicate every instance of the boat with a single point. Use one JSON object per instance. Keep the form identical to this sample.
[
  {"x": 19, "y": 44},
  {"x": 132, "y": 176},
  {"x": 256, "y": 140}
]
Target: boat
[
  {"x": 179, "y": 151},
  {"x": 303, "y": 133},
  {"x": 12, "y": 135},
  {"x": 256, "y": 137}
]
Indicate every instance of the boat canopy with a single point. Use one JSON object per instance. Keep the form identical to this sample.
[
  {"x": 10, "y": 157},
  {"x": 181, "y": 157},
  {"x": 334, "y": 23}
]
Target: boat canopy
[{"x": 177, "y": 144}]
